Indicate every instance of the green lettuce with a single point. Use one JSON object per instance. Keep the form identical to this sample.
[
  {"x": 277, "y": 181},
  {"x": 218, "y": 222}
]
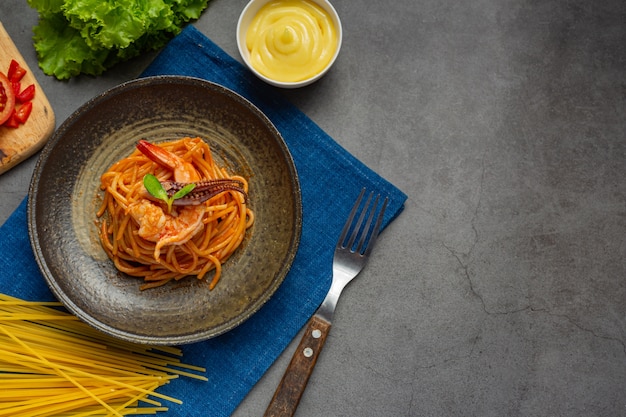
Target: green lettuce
[{"x": 90, "y": 36}]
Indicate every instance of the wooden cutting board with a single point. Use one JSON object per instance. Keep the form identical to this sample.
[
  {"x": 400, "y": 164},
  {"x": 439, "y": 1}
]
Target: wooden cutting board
[{"x": 16, "y": 145}]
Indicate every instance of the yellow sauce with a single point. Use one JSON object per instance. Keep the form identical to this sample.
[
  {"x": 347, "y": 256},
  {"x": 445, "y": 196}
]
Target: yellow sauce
[{"x": 291, "y": 40}]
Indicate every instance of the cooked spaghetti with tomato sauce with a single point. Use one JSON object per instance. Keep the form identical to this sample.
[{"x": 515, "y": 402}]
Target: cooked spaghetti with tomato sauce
[{"x": 186, "y": 229}]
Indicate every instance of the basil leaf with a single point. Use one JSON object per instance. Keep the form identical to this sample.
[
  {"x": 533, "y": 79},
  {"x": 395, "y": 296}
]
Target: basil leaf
[
  {"x": 154, "y": 187},
  {"x": 184, "y": 191}
]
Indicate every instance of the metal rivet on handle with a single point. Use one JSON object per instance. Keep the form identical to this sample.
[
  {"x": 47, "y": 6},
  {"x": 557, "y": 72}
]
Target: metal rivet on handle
[
  {"x": 308, "y": 352},
  {"x": 316, "y": 333}
]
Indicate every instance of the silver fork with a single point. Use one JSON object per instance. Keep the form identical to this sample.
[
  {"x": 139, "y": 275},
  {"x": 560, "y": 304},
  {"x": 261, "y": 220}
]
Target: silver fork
[{"x": 351, "y": 253}]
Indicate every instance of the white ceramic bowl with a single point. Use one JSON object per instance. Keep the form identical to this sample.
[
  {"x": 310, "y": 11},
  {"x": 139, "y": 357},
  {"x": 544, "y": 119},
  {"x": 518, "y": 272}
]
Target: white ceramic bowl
[{"x": 245, "y": 19}]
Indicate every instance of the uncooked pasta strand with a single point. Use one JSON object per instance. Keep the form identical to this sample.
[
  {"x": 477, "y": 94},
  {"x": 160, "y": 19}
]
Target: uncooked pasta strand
[{"x": 58, "y": 365}]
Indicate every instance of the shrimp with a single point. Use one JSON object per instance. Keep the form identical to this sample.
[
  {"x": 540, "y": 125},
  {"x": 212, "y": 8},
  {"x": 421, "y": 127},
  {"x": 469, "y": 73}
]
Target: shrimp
[
  {"x": 155, "y": 225},
  {"x": 183, "y": 171},
  {"x": 176, "y": 228}
]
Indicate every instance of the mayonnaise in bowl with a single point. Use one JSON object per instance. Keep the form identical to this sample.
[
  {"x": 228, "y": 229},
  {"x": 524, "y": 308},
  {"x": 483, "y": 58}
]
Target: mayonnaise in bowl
[{"x": 289, "y": 43}]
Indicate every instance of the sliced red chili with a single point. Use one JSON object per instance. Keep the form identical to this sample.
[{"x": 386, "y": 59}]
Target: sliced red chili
[
  {"x": 26, "y": 94},
  {"x": 23, "y": 112},
  {"x": 17, "y": 86},
  {"x": 16, "y": 71},
  {"x": 11, "y": 93},
  {"x": 12, "y": 121}
]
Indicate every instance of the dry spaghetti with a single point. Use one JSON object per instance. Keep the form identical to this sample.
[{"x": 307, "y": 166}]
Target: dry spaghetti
[
  {"x": 144, "y": 240},
  {"x": 52, "y": 364}
]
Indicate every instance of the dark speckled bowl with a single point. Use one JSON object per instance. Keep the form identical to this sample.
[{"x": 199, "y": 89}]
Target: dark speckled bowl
[{"x": 63, "y": 199}]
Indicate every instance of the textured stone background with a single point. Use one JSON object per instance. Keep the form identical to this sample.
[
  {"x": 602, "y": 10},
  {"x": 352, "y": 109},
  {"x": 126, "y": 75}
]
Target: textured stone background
[{"x": 500, "y": 290}]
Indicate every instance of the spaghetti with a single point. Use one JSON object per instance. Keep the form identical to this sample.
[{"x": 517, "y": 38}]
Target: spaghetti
[
  {"x": 144, "y": 239},
  {"x": 52, "y": 364}
]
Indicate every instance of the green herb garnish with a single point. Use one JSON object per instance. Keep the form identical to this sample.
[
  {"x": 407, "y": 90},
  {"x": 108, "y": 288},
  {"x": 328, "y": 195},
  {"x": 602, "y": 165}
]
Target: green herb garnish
[{"x": 156, "y": 190}]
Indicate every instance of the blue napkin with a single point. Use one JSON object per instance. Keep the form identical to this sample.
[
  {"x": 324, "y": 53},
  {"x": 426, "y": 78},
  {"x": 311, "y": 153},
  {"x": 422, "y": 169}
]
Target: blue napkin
[{"x": 330, "y": 179}]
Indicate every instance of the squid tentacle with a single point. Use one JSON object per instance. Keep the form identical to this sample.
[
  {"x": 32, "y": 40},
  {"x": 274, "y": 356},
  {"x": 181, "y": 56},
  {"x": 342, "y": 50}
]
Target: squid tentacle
[{"x": 203, "y": 190}]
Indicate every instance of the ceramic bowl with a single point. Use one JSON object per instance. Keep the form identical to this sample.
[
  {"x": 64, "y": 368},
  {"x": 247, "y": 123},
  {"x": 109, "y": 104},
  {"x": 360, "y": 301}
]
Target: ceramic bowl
[
  {"x": 64, "y": 196},
  {"x": 245, "y": 19}
]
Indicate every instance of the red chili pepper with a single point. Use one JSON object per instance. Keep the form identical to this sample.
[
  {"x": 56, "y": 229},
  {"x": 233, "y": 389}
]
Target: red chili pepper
[
  {"x": 26, "y": 94},
  {"x": 12, "y": 121},
  {"x": 23, "y": 112},
  {"x": 16, "y": 86},
  {"x": 11, "y": 93},
  {"x": 16, "y": 71}
]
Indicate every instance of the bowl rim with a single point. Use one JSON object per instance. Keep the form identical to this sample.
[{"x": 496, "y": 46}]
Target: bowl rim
[{"x": 246, "y": 16}]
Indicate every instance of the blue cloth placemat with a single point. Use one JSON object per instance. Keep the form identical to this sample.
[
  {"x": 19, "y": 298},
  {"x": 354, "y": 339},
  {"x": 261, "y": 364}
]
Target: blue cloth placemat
[{"x": 330, "y": 181}]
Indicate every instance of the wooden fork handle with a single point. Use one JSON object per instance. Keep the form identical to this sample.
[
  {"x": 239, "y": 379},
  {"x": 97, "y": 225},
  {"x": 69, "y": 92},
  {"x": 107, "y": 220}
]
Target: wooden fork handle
[{"x": 294, "y": 381}]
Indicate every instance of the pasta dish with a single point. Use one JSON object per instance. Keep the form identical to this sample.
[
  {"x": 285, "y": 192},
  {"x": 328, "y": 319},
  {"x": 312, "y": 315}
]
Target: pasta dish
[{"x": 170, "y": 211}]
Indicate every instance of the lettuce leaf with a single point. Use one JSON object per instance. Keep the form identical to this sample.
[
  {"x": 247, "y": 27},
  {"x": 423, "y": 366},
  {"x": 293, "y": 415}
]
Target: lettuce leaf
[{"x": 89, "y": 36}]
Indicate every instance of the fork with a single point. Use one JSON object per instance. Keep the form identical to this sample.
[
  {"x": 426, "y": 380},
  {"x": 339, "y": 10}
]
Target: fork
[{"x": 351, "y": 254}]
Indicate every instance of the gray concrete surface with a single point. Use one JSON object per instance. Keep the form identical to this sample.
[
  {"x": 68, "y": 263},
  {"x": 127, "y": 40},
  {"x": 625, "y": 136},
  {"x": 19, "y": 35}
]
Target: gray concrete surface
[{"x": 501, "y": 289}]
